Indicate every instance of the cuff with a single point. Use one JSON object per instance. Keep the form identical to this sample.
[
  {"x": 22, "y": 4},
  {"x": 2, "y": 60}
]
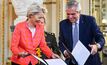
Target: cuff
[{"x": 99, "y": 46}]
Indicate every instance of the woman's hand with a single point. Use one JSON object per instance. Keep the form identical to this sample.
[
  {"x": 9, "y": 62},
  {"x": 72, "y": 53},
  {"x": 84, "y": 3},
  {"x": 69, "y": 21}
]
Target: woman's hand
[
  {"x": 55, "y": 55},
  {"x": 23, "y": 54}
]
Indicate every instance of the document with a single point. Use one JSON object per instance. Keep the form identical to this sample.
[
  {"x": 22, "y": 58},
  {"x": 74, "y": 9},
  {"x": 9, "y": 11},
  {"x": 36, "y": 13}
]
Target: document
[
  {"x": 43, "y": 61},
  {"x": 55, "y": 62},
  {"x": 50, "y": 61},
  {"x": 80, "y": 53}
]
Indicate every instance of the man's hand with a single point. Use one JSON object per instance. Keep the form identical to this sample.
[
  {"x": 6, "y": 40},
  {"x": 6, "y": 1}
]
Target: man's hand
[
  {"x": 55, "y": 55},
  {"x": 23, "y": 54},
  {"x": 94, "y": 49},
  {"x": 66, "y": 54}
]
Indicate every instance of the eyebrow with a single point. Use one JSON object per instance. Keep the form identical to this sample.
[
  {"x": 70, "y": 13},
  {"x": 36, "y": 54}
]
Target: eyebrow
[{"x": 71, "y": 13}]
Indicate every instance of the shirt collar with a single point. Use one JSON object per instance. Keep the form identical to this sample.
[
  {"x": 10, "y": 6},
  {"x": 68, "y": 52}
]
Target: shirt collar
[{"x": 77, "y": 21}]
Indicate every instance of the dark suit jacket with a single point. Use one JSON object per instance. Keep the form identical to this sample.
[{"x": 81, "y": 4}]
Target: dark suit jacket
[{"x": 88, "y": 34}]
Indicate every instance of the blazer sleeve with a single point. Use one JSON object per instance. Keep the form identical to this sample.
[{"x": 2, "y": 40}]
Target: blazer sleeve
[
  {"x": 45, "y": 49},
  {"x": 15, "y": 40},
  {"x": 97, "y": 33}
]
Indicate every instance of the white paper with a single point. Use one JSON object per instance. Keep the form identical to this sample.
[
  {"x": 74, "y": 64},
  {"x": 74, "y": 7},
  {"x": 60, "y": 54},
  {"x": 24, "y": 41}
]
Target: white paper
[
  {"x": 55, "y": 62},
  {"x": 50, "y": 61},
  {"x": 39, "y": 59},
  {"x": 80, "y": 53}
]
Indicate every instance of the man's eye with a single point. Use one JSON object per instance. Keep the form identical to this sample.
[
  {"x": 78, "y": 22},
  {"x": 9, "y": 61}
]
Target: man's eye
[
  {"x": 71, "y": 14},
  {"x": 68, "y": 14}
]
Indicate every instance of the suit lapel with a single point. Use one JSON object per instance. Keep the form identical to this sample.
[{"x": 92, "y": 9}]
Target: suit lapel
[
  {"x": 81, "y": 27},
  {"x": 70, "y": 33}
]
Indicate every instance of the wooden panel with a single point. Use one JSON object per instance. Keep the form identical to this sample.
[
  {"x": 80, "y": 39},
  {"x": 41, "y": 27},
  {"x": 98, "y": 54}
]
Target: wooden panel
[{"x": 2, "y": 31}]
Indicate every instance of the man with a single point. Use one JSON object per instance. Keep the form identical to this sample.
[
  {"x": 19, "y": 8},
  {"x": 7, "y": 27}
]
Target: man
[
  {"x": 80, "y": 27},
  {"x": 29, "y": 35}
]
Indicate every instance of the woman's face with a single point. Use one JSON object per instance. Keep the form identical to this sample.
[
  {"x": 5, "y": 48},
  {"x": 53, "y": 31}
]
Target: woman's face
[{"x": 38, "y": 18}]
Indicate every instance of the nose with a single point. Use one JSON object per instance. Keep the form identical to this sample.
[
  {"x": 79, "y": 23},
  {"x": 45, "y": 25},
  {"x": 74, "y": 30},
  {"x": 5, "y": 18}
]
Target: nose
[{"x": 70, "y": 16}]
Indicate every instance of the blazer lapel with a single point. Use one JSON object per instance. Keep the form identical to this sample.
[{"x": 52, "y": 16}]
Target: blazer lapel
[{"x": 37, "y": 37}]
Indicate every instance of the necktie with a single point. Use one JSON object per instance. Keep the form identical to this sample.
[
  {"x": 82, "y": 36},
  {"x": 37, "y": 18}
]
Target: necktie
[{"x": 75, "y": 34}]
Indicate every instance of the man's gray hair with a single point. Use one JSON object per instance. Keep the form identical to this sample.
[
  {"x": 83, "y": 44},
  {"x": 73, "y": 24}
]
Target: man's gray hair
[
  {"x": 74, "y": 3},
  {"x": 35, "y": 8}
]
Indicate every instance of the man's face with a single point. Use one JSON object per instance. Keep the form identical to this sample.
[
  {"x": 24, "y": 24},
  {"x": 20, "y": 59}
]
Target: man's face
[
  {"x": 72, "y": 14},
  {"x": 38, "y": 18}
]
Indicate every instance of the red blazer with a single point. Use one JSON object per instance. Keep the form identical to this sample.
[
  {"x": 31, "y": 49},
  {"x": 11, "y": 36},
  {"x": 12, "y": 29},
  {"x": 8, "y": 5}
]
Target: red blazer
[{"x": 22, "y": 41}]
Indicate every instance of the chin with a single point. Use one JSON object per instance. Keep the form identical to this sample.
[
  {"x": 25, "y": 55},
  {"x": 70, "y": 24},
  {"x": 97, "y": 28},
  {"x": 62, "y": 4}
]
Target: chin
[{"x": 72, "y": 21}]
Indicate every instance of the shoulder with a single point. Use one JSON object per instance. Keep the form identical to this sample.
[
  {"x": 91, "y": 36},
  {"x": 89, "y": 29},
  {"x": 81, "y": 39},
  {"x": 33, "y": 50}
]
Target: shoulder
[
  {"x": 64, "y": 21},
  {"x": 88, "y": 19},
  {"x": 49, "y": 33},
  {"x": 21, "y": 24},
  {"x": 87, "y": 16}
]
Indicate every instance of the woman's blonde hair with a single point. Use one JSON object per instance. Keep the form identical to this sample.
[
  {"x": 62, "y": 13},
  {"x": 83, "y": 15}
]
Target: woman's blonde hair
[{"x": 35, "y": 8}]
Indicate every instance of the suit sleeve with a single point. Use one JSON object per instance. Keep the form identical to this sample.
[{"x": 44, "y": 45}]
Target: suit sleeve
[
  {"x": 45, "y": 49},
  {"x": 15, "y": 40},
  {"x": 97, "y": 33}
]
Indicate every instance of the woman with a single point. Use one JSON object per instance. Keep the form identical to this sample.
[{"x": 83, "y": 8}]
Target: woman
[{"x": 29, "y": 35}]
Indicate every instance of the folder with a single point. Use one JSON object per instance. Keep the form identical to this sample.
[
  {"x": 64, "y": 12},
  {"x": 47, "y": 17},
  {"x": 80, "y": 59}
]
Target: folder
[
  {"x": 50, "y": 61},
  {"x": 73, "y": 60},
  {"x": 55, "y": 62}
]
